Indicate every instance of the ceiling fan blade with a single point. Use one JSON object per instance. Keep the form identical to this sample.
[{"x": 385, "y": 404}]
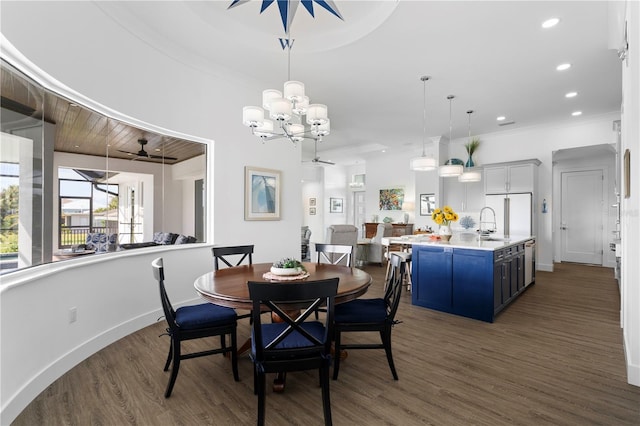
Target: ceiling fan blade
[{"x": 160, "y": 157}]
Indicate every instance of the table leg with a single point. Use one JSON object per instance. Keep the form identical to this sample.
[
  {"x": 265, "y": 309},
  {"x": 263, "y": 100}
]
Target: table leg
[{"x": 280, "y": 380}]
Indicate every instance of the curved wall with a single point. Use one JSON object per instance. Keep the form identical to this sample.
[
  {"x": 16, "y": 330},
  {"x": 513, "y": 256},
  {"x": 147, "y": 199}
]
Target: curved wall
[{"x": 115, "y": 294}]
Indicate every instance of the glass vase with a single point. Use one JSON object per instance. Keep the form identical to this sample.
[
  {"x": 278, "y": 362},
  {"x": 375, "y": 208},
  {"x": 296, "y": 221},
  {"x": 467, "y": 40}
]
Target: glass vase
[{"x": 469, "y": 162}]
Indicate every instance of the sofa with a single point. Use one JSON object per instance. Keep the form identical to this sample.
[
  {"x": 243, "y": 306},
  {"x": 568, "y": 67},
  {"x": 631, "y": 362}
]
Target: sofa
[{"x": 160, "y": 239}]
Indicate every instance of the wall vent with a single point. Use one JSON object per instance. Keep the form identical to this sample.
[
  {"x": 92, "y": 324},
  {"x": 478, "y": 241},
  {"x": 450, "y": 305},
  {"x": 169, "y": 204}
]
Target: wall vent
[{"x": 508, "y": 123}]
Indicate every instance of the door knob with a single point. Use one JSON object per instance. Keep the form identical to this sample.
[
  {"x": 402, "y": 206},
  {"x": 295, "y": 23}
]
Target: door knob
[{"x": 563, "y": 228}]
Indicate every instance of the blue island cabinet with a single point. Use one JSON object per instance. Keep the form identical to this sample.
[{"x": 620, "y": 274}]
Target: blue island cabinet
[{"x": 455, "y": 280}]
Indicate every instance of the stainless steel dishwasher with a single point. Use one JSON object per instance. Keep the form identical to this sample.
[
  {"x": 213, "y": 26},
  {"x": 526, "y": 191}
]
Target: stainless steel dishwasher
[{"x": 529, "y": 262}]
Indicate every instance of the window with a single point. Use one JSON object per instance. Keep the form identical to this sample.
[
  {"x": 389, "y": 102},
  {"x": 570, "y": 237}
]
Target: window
[
  {"x": 67, "y": 170},
  {"x": 85, "y": 206}
]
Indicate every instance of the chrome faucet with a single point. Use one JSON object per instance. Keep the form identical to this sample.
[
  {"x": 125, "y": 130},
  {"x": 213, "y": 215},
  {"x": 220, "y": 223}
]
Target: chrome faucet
[{"x": 483, "y": 229}]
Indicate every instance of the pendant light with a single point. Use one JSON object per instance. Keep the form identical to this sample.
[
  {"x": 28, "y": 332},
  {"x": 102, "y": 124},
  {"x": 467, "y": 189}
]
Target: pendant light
[
  {"x": 424, "y": 163},
  {"x": 450, "y": 170},
  {"x": 468, "y": 175}
]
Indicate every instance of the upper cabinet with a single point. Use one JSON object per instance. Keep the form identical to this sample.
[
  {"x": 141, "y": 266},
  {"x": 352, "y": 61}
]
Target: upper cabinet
[
  {"x": 513, "y": 177},
  {"x": 463, "y": 197}
]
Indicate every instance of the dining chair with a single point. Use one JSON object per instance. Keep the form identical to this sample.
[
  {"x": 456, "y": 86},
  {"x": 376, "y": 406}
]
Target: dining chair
[
  {"x": 293, "y": 344},
  {"x": 335, "y": 254},
  {"x": 195, "y": 322},
  {"x": 366, "y": 315},
  {"x": 219, "y": 253}
]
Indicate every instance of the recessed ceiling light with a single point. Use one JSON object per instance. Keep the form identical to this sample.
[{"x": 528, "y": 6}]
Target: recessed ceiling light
[
  {"x": 501, "y": 118},
  {"x": 550, "y": 23},
  {"x": 384, "y": 150},
  {"x": 571, "y": 95},
  {"x": 576, "y": 113},
  {"x": 563, "y": 67}
]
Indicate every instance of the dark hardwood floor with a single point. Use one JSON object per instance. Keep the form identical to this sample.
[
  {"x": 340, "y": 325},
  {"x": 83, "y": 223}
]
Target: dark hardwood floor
[{"x": 554, "y": 357}]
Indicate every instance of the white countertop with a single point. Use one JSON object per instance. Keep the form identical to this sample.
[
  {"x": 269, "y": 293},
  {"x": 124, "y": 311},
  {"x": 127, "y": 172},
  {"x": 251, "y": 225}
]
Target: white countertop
[{"x": 460, "y": 240}]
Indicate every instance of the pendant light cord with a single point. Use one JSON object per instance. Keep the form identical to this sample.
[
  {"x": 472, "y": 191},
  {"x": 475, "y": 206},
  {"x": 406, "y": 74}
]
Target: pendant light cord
[
  {"x": 450, "y": 97},
  {"x": 424, "y": 111}
]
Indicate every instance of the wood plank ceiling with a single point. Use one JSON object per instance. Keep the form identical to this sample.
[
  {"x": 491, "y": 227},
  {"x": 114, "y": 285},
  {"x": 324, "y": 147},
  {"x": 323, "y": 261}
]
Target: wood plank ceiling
[{"x": 80, "y": 130}]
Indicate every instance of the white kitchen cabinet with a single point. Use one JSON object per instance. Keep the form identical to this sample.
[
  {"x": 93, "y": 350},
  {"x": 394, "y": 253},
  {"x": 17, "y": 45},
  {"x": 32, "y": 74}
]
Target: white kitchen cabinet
[
  {"x": 511, "y": 177},
  {"x": 463, "y": 197}
]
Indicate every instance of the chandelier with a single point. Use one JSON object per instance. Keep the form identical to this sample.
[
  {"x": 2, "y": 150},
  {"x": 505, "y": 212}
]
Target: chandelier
[
  {"x": 285, "y": 111},
  {"x": 469, "y": 175},
  {"x": 450, "y": 170},
  {"x": 423, "y": 163}
]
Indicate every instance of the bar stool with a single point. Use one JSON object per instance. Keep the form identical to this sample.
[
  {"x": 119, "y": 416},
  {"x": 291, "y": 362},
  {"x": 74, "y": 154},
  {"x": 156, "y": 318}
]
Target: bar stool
[{"x": 406, "y": 258}]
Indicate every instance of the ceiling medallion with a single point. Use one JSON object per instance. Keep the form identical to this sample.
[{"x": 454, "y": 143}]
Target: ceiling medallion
[{"x": 288, "y": 8}]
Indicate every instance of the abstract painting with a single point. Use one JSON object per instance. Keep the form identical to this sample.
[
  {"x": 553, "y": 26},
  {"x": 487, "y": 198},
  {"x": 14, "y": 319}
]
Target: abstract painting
[
  {"x": 391, "y": 199},
  {"x": 262, "y": 194}
]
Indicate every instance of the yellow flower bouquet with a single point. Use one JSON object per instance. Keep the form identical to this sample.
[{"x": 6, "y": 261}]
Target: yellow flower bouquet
[{"x": 444, "y": 216}]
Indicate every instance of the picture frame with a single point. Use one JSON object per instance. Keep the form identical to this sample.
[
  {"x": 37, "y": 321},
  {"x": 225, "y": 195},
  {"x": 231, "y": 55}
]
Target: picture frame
[
  {"x": 335, "y": 205},
  {"x": 427, "y": 204},
  {"x": 391, "y": 199},
  {"x": 312, "y": 211},
  {"x": 261, "y": 193},
  {"x": 627, "y": 173},
  {"x": 312, "y": 202}
]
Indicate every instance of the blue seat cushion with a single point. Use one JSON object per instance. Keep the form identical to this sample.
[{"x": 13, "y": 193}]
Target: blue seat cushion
[
  {"x": 360, "y": 311},
  {"x": 204, "y": 315},
  {"x": 293, "y": 340}
]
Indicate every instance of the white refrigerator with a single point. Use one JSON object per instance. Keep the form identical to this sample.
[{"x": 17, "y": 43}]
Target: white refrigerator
[{"x": 513, "y": 213}]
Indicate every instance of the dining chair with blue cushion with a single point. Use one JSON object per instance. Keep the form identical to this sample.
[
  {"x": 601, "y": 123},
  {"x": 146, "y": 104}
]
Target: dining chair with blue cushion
[
  {"x": 292, "y": 343},
  {"x": 195, "y": 322},
  {"x": 366, "y": 315}
]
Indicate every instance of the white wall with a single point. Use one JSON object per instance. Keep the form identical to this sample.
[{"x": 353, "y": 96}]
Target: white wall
[
  {"x": 120, "y": 76},
  {"x": 630, "y": 213}
]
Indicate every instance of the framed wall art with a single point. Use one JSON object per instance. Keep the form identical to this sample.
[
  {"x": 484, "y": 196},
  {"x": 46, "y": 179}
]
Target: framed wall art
[
  {"x": 627, "y": 173},
  {"x": 427, "y": 204},
  {"x": 335, "y": 205},
  {"x": 312, "y": 202},
  {"x": 261, "y": 194},
  {"x": 312, "y": 211},
  {"x": 391, "y": 199}
]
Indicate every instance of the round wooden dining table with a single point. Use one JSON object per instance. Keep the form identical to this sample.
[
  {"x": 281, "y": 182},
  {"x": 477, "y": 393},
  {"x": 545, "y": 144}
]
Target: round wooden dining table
[{"x": 228, "y": 287}]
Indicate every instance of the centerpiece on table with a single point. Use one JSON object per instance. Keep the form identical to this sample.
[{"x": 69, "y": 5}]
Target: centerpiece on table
[
  {"x": 288, "y": 266},
  {"x": 444, "y": 217}
]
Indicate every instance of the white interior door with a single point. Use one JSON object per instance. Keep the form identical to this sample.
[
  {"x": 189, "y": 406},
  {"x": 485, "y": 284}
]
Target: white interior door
[
  {"x": 581, "y": 217},
  {"x": 359, "y": 211}
]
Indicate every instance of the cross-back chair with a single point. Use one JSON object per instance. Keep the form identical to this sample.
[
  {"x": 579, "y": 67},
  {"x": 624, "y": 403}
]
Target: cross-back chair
[
  {"x": 293, "y": 344},
  {"x": 335, "y": 254},
  {"x": 222, "y": 253},
  {"x": 366, "y": 315},
  {"x": 195, "y": 322}
]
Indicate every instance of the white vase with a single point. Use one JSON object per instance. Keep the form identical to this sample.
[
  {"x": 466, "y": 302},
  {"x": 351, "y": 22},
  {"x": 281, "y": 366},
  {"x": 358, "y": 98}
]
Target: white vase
[{"x": 444, "y": 230}]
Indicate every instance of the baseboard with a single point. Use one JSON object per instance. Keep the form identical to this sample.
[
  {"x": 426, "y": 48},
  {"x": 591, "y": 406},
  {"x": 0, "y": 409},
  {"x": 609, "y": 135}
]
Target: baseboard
[
  {"x": 633, "y": 370},
  {"x": 544, "y": 267},
  {"x": 40, "y": 381}
]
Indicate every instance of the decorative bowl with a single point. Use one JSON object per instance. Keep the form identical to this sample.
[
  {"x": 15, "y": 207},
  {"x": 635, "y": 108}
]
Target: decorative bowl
[{"x": 286, "y": 271}]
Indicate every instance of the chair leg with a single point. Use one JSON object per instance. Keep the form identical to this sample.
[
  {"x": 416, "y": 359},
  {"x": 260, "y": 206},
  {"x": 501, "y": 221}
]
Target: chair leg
[
  {"x": 169, "y": 357},
  {"x": 326, "y": 396},
  {"x": 176, "y": 366},
  {"x": 386, "y": 341},
  {"x": 261, "y": 398},
  {"x": 234, "y": 356},
  {"x": 336, "y": 355}
]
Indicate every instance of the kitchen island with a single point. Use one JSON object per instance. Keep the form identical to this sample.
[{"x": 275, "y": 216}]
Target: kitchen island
[{"x": 467, "y": 276}]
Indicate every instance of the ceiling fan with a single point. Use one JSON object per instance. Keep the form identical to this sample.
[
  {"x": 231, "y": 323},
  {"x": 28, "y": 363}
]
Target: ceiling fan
[
  {"x": 142, "y": 154},
  {"x": 316, "y": 158}
]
